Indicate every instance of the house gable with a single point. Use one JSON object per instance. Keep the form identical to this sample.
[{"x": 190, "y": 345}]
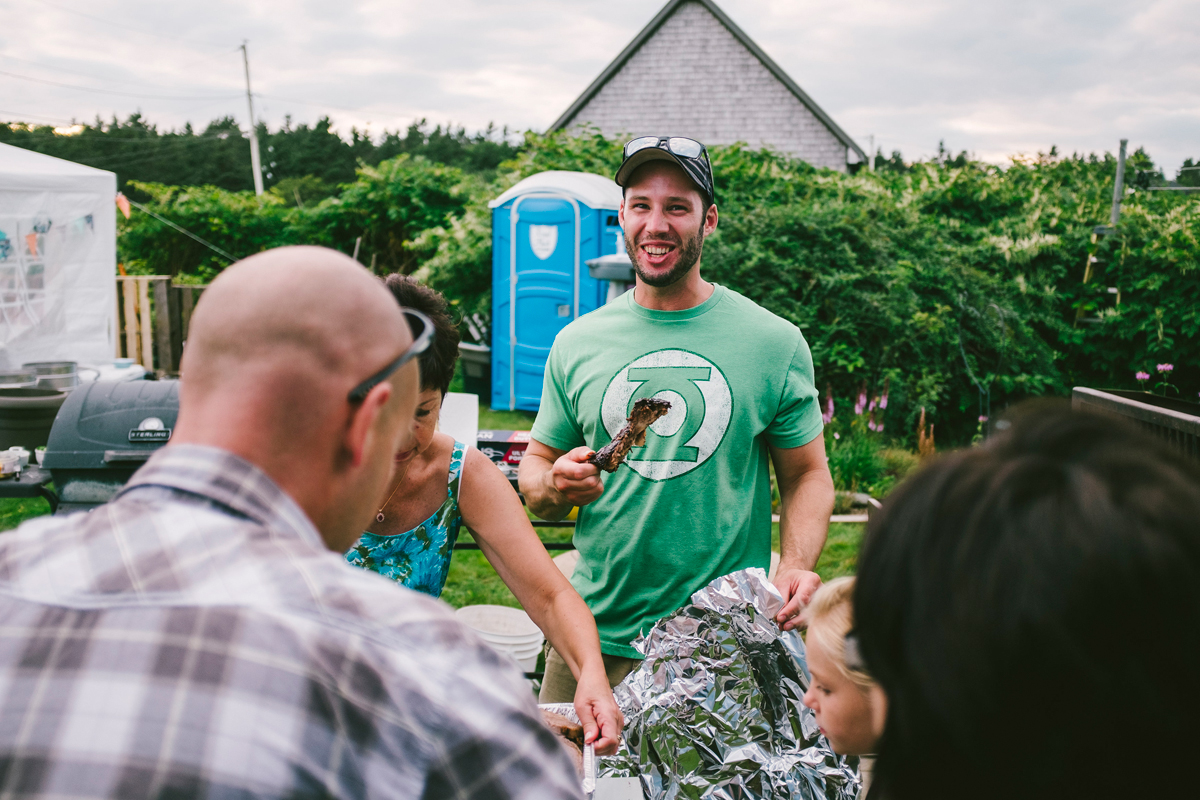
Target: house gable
[{"x": 692, "y": 72}]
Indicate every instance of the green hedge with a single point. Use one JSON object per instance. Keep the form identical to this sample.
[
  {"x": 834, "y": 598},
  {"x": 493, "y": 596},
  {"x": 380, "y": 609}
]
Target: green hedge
[{"x": 957, "y": 285}]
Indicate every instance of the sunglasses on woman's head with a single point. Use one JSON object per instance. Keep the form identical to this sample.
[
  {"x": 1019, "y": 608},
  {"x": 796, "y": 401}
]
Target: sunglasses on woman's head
[
  {"x": 852, "y": 653},
  {"x": 422, "y": 332}
]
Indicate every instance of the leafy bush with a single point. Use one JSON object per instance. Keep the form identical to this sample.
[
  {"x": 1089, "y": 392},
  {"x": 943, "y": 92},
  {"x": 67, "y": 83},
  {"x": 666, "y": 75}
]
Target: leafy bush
[
  {"x": 966, "y": 285},
  {"x": 388, "y": 205},
  {"x": 461, "y": 265},
  {"x": 856, "y": 461},
  {"x": 961, "y": 282}
]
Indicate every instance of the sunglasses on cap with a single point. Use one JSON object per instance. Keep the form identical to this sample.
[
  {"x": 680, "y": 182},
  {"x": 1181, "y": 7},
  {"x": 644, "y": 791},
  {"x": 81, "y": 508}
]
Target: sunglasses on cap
[
  {"x": 691, "y": 155},
  {"x": 678, "y": 145},
  {"x": 422, "y": 332}
]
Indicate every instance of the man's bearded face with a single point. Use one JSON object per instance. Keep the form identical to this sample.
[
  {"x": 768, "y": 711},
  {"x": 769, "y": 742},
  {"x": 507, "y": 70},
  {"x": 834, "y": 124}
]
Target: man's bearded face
[{"x": 689, "y": 246}]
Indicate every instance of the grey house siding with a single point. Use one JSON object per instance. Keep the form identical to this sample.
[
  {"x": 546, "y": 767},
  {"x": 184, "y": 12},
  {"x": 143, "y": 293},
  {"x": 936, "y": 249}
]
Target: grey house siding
[{"x": 694, "y": 78}]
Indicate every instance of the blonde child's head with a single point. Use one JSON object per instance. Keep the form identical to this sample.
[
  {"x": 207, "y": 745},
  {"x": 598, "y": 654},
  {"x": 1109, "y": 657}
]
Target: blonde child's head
[{"x": 849, "y": 705}]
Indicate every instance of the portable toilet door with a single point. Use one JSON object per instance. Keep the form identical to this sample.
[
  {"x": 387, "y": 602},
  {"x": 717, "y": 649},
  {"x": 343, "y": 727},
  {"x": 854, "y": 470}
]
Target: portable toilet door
[{"x": 544, "y": 230}]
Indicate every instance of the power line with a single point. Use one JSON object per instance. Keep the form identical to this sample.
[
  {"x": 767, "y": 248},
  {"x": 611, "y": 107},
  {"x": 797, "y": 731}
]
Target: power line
[
  {"x": 53, "y": 120},
  {"x": 87, "y": 74},
  {"x": 163, "y": 138},
  {"x": 308, "y": 103},
  {"x": 184, "y": 231},
  {"x": 111, "y": 91},
  {"x": 127, "y": 28}
]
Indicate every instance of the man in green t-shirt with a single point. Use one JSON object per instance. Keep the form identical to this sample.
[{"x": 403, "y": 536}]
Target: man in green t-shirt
[{"x": 695, "y": 502}]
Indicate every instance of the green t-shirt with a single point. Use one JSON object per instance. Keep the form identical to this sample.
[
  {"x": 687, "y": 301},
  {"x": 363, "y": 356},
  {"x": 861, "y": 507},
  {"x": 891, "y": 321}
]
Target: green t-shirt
[{"x": 695, "y": 502}]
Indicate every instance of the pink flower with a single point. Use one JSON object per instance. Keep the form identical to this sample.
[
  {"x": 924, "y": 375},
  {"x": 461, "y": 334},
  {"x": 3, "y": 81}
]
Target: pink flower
[
  {"x": 1165, "y": 368},
  {"x": 1142, "y": 376},
  {"x": 982, "y": 418},
  {"x": 827, "y": 416},
  {"x": 861, "y": 403},
  {"x": 837, "y": 435}
]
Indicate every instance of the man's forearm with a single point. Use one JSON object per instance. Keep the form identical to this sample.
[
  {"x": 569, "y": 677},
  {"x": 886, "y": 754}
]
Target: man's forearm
[
  {"x": 804, "y": 511},
  {"x": 536, "y": 481}
]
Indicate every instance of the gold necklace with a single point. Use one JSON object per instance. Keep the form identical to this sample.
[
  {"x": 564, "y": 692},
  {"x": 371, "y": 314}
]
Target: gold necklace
[{"x": 379, "y": 517}]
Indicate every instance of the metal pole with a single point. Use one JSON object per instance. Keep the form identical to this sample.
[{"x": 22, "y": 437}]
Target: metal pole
[
  {"x": 255, "y": 164},
  {"x": 871, "y": 155},
  {"x": 1119, "y": 186}
]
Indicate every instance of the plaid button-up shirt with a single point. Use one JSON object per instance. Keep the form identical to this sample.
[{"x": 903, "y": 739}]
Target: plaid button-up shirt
[{"x": 195, "y": 638}]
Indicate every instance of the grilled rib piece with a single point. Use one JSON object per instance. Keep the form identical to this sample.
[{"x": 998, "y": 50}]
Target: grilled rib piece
[
  {"x": 563, "y": 727},
  {"x": 569, "y": 734},
  {"x": 645, "y": 412}
]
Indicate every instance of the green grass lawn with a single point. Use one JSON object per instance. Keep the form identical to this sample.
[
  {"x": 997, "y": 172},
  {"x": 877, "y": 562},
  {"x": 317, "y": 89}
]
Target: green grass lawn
[
  {"x": 504, "y": 420},
  {"x": 14, "y": 512}
]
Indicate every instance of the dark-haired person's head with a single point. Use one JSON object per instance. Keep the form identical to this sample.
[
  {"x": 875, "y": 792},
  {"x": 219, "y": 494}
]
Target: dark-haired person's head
[
  {"x": 438, "y": 362},
  {"x": 1031, "y": 608}
]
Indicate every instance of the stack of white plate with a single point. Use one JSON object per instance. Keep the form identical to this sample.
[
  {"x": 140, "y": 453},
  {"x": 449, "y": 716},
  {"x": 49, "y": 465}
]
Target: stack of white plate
[{"x": 507, "y": 630}]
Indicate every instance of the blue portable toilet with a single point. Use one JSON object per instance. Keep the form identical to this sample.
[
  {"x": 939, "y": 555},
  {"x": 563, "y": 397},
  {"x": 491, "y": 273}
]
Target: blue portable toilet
[{"x": 544, "y": 229}]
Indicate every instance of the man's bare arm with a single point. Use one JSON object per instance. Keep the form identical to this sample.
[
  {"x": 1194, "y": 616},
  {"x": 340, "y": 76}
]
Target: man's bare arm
[
  {"x": 554, "y": 481},
  {"x": 806, "y": 501}
]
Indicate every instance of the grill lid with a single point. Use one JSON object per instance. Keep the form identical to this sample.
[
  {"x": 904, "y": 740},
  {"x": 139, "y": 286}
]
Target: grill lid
[{"x": 112, "y": 425}]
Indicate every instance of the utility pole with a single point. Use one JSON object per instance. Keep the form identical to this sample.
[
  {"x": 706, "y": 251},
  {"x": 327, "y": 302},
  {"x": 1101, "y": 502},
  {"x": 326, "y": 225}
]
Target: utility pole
[
  {"x": 1119, "y": 186},
  {"x": 255, "y": 164},
  {"x": 871, "y": 157}
]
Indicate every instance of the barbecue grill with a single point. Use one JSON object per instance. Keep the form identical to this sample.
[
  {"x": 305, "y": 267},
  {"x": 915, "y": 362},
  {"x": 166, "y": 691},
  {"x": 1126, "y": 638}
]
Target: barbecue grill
[{"x": 103, "y": 433}]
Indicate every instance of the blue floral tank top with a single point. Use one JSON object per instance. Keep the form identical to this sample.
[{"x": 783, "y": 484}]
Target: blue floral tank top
[{"x": 420, "y": 558}]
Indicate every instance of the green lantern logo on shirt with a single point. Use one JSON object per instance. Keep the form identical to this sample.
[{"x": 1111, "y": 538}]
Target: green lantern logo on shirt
[{"x": 701, "y": 406}]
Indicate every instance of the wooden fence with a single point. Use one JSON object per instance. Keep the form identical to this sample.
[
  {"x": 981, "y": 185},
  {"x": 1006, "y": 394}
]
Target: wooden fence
[{"x": 153, "y": 316}]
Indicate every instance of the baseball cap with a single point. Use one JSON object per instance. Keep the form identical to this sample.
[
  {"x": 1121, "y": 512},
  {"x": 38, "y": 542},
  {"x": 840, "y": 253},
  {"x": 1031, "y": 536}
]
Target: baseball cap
[{"x": 689, "y": 154}]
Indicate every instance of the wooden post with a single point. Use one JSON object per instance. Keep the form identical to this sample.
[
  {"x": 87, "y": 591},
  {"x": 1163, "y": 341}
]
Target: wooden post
[
  {"x": 174, "y": 298},
  {"x": 117, "y": 321},
  {"x": 162, "y": 324},
  {"x": 189, "y": 302},
  {"x": 131, "y": 337},
  {"x": 147, "y": 328}
]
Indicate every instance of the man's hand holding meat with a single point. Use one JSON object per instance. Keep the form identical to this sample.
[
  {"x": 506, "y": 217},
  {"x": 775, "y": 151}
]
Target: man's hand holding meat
[
  {"x": 565, "y": 481},
  {"x": 692, "y": 500}
]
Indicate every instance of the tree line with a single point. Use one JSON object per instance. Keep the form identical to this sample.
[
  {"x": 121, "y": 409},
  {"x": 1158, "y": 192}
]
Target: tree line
[{"x": 302, "y": 163}]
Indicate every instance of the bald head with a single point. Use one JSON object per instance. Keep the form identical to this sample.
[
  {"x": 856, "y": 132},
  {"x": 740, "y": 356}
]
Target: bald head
[
  {"x": 299, "y": 310},
  {"x": 275, "y": 347}
]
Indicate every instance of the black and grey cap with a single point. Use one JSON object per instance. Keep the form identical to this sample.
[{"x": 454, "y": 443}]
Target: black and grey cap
[{"x": 689, "y": 154}]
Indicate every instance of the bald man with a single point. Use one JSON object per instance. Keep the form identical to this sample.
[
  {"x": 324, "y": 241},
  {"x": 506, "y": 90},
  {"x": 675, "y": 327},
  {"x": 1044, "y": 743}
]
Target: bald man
[{"x": 202, "y": 636}]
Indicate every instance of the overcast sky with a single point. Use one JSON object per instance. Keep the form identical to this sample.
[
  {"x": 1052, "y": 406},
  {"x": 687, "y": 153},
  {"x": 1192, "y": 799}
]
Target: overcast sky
[{"x": 994, "y": 78}]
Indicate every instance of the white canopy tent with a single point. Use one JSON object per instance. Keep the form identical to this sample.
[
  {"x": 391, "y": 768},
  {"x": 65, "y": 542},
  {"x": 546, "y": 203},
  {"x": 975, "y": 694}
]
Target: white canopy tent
[{"x": 58, "y": 252}]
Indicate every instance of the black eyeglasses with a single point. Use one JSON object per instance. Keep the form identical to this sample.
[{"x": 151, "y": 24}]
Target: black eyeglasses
[
  {"x": 422, "y": 331},
  {"x": 679, "y": 145}
]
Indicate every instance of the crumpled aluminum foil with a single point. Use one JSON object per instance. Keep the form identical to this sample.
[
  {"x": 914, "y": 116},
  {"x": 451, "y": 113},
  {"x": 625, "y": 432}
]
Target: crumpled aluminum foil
[{"x": 715, "y": 709}]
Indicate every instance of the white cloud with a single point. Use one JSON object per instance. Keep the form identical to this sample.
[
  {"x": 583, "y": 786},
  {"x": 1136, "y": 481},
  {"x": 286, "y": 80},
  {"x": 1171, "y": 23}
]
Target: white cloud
[{"x": 993, "y": 78}]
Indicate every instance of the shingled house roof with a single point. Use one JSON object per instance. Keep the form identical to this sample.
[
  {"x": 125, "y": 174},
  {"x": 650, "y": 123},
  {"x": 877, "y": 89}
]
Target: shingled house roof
[{"x": 693, "y": 72}]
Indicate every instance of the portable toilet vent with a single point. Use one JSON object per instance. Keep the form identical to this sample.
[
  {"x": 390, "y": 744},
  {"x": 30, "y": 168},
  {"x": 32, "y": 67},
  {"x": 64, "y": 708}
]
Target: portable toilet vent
[{"x": 544, "y": 230}]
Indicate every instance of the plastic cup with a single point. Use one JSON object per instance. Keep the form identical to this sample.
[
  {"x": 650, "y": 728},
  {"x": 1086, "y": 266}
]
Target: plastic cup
[
  {"x": 22, "y": 454},
  {"x": 10, "y": 463}
]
